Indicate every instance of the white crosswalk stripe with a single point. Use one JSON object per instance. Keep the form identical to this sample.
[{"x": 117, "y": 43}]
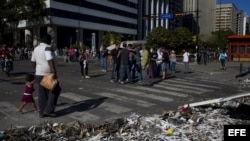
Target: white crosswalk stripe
[
  {"x": 165, "y": 92},
  {"x": 191, "y": 83},
  {"x": 105, "y": 105},
  {"x": 126, "y": 98},
  {"x": 142, "y": 94},
  {"x": 123, "y": 98},
  {"x": 205, "y": 79},
  {"x": 168, "y": 86}
]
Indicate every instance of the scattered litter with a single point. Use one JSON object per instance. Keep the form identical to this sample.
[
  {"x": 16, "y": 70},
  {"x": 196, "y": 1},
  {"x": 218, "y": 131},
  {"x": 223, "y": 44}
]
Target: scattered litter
[{"x": 203, "y": 123}]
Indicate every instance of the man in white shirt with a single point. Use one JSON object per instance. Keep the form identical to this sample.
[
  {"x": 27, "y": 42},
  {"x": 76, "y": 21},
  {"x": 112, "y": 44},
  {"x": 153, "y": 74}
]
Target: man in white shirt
[
  {"x": 159, "y": 62},
  {"x": 42, "y": 60},
  {"x": 185, "y": 61}
]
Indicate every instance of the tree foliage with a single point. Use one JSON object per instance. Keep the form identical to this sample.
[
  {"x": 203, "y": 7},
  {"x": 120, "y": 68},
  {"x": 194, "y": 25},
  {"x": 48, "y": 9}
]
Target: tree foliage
[
  {"x": 220, "y": 39},
  {"x": 181, "y": 37},
  {"x": 15, "y": 11},
  {"x": 177, "y": 39},
  {"x": 109, "y": 38},
  {"x": 157, "y": 37}
]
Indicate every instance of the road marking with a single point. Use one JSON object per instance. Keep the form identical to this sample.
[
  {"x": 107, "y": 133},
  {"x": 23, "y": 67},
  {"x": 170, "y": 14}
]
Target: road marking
[
  {"x": 123, "y": 98},
  {"x": 185, "y": 82},
  {"x": 182, "y": 88},
  {"x": 10, "y": 111},
  {"x": 107, "y": 106},
  {"x": 150, "y": 89},
  {"x": 142, "y": 94},
  {"x": 205, "y": 80}
]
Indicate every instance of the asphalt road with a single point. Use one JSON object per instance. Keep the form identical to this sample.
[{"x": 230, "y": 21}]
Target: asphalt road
[{"x": 95, "y": 100}]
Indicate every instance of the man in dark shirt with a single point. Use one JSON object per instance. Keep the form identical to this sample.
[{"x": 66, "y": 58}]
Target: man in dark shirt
[
  {"x": 124, "y": 68},
  {"x": 116, "y": 63}
]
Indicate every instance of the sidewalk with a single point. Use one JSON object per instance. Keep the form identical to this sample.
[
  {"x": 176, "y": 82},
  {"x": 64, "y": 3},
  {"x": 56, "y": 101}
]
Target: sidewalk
[{"x": 214, "y": 69}]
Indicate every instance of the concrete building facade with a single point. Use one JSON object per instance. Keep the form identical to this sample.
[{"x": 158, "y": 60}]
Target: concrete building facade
[
  {"x": 200, "y": 17},
  {"x": 81, "y": 21},
  {"x": 150, "y": 12},
  {"x": 226, "y": 17}
]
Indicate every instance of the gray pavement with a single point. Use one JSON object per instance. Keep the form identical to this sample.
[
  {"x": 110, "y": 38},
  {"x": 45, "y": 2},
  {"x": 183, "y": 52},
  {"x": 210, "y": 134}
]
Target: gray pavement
[{"x": 214, "y": 70}]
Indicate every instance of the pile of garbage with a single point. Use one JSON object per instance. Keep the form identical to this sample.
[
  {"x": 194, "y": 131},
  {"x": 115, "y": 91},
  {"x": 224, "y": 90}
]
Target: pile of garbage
[{"x": 204, "y": 123}]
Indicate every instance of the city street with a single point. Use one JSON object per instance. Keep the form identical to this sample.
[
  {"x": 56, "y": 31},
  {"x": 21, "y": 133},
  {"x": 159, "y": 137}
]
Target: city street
[{"x": 96, "y": 99}]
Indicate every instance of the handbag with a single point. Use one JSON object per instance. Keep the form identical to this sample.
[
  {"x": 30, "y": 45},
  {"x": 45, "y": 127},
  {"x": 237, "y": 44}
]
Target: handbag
[{"x": 48, "y": 81}]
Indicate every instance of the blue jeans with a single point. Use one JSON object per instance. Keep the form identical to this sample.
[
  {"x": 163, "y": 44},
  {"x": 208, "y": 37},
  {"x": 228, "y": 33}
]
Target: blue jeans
[
  {"x": 124, "y": 69},
  {"x": 172, "y": 66},
  {"x": 104, "y": 64},
  {"x": 138, "y": 70},
  {"x": 115, "y": 72},
  {"x": 145, "y": 77},
  {"x": 186, "y": 67}
]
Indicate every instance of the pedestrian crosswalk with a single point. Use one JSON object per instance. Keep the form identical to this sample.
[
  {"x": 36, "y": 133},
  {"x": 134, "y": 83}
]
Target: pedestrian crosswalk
[{"x": 117, "y": 100}]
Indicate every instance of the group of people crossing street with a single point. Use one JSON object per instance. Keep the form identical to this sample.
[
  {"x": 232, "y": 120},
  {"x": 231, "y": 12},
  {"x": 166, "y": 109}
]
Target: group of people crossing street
[{"x": 138, "y": 64}]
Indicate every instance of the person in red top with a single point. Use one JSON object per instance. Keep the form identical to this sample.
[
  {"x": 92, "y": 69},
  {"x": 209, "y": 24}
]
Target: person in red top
[
  {"x": 6, "y": 53},
  {"x": 27, "y": 95}
]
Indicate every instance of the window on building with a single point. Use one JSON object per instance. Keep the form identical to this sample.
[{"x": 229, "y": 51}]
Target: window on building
[
  {"x": 248, "y": 48},
  {"x": 241, "y": 49},
  {"x": 234, "y": 49}
]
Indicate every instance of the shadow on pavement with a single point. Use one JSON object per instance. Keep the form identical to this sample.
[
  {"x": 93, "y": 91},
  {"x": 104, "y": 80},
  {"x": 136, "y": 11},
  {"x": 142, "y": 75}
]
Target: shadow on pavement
[{"x": 81, "y": 106}]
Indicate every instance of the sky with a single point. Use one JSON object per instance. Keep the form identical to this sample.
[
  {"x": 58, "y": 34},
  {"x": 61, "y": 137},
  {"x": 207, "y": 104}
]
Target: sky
[{"x": 240, "y": 4}]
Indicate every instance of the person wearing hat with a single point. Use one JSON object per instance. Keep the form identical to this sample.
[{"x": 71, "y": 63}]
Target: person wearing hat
[{"x": 172, "y": 58}]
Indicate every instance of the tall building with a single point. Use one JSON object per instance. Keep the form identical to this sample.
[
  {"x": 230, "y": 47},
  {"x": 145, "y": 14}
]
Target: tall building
[
  {"x": 226, "y": 17},
  {"x": 150, "y": 15},
  {"x": 199, "y": 16},
  {"x": 247, "y": 27},
  {"x": 85, "y": 21},
  {"x": 240, "y": 23}
]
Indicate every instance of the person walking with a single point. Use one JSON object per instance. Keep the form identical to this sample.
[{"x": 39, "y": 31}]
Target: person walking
[
  {"x": 185, "y": 61},
  {"x": 124, "y": 70},
  {"x": 153, "y": 66},
  {"x": 115, "y": 76},
  {"x": 165, "y": 62},
  {"x": 84, "y": 63},
  {"x": 104, "y": 55},
  {"x": 137, "y": 66},
  {"x": 172, "y": 58},
  {"x": 159, "y": 62},
  {"x": 27, "y": 95},
  {"x": 222, "y": 58},
  {"x": 43, "y": 61},
  {"x": 145, "y": 67}
]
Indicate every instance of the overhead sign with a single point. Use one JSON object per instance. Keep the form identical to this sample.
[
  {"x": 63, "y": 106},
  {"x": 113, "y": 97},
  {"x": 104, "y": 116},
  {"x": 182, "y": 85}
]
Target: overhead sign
[{"x": 166, "y": 16}]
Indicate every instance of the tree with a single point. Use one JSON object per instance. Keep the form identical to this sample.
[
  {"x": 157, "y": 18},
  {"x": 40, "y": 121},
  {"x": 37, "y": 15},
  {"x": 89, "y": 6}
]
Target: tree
[
  {"x": 221, "y": 40},
  {"x": 15, "y": 11},
  {"x": 110, "y": 38},
  {"x": 180, "y": 38},
  {"x": 157, "y": 37}
]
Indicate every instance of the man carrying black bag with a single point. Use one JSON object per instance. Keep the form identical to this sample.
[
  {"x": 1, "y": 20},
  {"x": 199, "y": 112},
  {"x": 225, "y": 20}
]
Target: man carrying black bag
[{"x": 43, "y": 61}]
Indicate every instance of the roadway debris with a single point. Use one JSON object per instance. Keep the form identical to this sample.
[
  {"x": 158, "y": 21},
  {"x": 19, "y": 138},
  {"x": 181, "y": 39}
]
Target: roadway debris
[{"x": 202, "y": 123}]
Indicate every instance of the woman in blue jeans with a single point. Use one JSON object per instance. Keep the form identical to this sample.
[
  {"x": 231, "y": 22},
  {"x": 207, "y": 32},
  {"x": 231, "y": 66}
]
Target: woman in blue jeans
[
  {"x": 103, "y": 55},
  {"x": 172, "y": 58}
]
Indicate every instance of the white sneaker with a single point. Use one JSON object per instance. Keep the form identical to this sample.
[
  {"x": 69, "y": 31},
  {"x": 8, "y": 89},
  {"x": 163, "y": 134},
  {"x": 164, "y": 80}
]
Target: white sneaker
[{"x": 87, "y": 77}]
